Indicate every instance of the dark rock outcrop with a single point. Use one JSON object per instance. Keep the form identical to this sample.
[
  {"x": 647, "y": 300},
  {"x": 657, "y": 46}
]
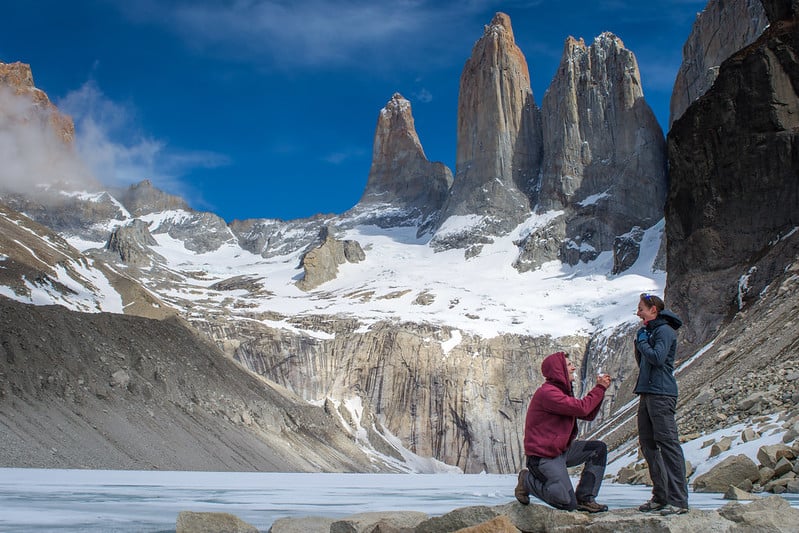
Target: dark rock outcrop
[
  {"x": 720, "y": 30},
  {"x": 733, "y": 201},
  {"x": 499, "y": 142},
  {"x": 131, "y": 243},
  {"x": 401, "y": 179}
]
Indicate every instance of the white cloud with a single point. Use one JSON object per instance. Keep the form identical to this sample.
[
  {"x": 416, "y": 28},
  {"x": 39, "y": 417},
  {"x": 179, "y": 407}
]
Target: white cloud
[
  {"x": 340, "y": 156},
  {"x": 107, "y": 139},
  {"x": 423, "y": 95},
  {"x": 315, "y": 33},
  {"x": 31, "y": 152}
]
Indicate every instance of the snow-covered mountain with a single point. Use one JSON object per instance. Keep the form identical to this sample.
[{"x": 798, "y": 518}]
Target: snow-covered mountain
[{"x": 424, "y": 328}]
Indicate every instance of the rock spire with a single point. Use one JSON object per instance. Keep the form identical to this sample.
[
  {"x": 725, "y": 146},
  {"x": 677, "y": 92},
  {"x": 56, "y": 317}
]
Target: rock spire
[
  {"x": 400, "y": 174},
  {"x": 604, "y": 152},
  {"x": 499, "y": 140}
]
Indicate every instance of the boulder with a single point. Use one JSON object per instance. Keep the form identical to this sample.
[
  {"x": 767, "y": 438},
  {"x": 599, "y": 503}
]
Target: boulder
[
  {"x": 321, "y": 263},
  {"x": 192, "y": 522},
  {"x": 770, "y": 455},
  {"x": 731, "y": 471},
  {"x": 305, "y": 524},
  {"x": 379, "y": 522},
  {"x": 768, "y": 514},
  {"x": 500, "y": 524},
  {"x": 722, "y": 445},
  {"x": 734, "y": 493}
]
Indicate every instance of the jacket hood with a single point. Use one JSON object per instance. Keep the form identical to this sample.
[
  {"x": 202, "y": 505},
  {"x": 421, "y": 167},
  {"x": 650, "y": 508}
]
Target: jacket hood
[
  {"x": 670, "y": 318},
  {"x": 556, "y": 371}
]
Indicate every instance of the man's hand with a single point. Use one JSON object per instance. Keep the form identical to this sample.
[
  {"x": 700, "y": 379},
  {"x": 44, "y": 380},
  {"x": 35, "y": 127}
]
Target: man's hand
[{"x": 603, "y": 380}]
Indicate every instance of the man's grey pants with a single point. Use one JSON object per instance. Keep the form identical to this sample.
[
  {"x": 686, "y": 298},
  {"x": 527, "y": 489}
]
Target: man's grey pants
[
  {"x": 548, "y": 479},
  {"x": 660, "y": 444}
]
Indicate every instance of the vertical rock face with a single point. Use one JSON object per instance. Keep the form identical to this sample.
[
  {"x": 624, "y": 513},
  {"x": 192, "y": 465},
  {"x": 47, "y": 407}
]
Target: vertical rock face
[
  {"x": 499, "y": 140},
  {"x": 720, "y": 30},
  {"x": 400, "y": 174},
  {"x": 19, "y": 79},
  {"x": 733, "y": 202},
  {"x": 604, "y": 153}
]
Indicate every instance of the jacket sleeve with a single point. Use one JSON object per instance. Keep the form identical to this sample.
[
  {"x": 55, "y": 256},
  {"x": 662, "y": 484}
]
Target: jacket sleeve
[
  {"x": 560, "y": 403},
  {"x": 656, "y": 349}
]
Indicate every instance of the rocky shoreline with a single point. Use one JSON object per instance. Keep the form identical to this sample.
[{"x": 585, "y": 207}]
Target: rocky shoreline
[{"x": 769, "y": 514}]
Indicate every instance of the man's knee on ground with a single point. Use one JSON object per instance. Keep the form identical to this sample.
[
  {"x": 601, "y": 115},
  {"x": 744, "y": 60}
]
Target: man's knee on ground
[{"x": 560, "y": 497}]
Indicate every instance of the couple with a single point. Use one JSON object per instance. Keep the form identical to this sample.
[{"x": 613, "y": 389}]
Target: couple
[{"x": 551, "y": 425}]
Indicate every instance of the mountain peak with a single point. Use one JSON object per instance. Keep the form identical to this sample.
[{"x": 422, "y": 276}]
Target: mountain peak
[
  {"x": 500, "y": 24},
  {"x": 18, "y": 77},
  {"x": 401, "y": 174},
  {"x": 499, "y": 140}
]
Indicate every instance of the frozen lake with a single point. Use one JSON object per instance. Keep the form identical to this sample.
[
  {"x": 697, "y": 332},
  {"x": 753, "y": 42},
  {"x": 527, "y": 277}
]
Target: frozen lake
[{"x": 71, "y": 501}]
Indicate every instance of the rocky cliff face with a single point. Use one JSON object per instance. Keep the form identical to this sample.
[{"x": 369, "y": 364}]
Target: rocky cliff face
[
  {"x": 604, "y": 153},
  {"x": 499, "y": 142},
  {"x": 734, "y": 193},
  {"x": 463, "y": 405},
  {"x": 18, "y": 78},
  {"x": 720, "y": 30},
  {"x": 401, "y": 178}
]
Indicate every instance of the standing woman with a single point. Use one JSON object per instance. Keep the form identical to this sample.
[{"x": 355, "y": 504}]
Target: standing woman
[{"x": 655, "y": 350}]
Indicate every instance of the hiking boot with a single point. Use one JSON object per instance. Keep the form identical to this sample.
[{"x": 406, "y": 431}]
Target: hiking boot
[
  {"x": 591, "y": 506},
  {"x": 673, "y": 509},
  {"x": 650, "y": 506},
  {"x": 521, "y": 489}
]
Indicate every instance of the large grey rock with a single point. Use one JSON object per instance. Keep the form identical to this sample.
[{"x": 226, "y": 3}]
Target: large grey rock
[
  {"x": 499, "y": 143},
  {"x": 379, "y": 521},
  {"x": 771, "y": 454},
  {"x": 401, "y": 178},
  {"x": 193, "y": 522},
  {"x": 736, "y": 143},
  {"x": 131, "y": 243},
  {"x": 321, "y": 263},
  {"x": 721, "y": 29},
  {"x": 732, "y": 471},
  {"x": 604, "y": 152},
  {"x": 769, "y": 514},
  {"x": 305, "y": 524}
]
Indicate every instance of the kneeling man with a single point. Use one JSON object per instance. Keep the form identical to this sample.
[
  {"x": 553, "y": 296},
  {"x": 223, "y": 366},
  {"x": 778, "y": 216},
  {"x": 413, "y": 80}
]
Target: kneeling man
[{"x": 550, "y": 431}]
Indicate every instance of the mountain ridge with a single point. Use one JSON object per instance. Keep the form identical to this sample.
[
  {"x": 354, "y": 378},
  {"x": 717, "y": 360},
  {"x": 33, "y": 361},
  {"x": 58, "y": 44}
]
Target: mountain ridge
[{"x": 440, "y": 344}]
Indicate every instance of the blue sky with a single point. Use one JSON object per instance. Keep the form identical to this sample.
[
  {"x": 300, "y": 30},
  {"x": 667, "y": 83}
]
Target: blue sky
[{"x": 267, "y": 108}]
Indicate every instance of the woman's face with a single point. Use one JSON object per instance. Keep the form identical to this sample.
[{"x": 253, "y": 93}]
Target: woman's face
[{"x": 646, "y": 312}]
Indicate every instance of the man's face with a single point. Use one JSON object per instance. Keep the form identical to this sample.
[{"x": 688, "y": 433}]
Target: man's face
[{"x": 572, "y": 369}]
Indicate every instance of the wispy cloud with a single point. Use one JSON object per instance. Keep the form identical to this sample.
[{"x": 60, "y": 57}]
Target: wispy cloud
[
  {"x": 315, "y": 33},
  {"x": 109, "y": 141},
  {"x": 340, "y": 156},
  {"x": 31, "y": 151}
]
